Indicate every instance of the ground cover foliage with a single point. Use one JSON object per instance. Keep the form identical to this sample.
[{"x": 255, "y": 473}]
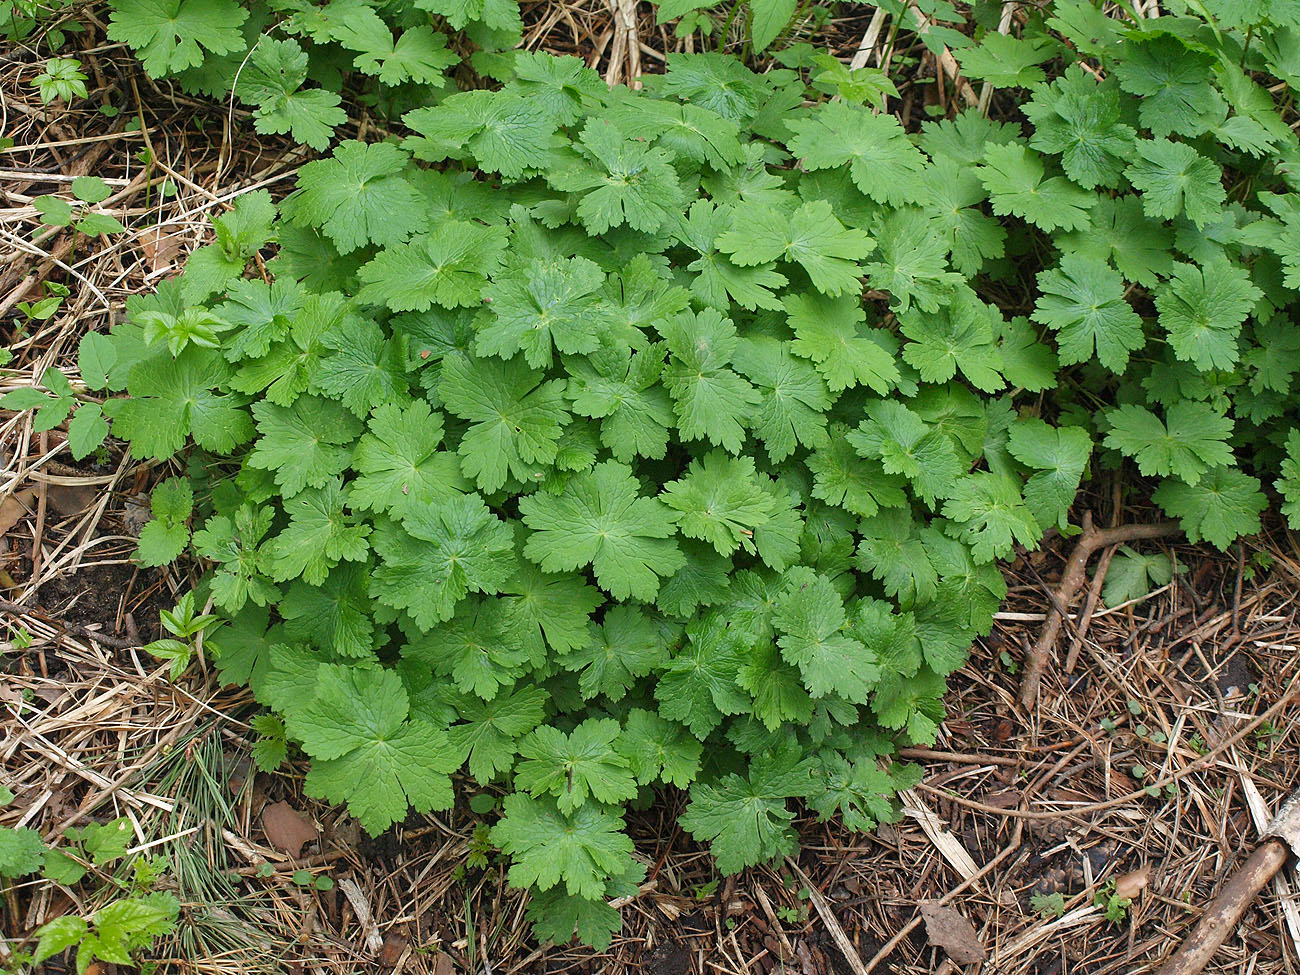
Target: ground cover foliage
[{"x": 595, "y": 441}]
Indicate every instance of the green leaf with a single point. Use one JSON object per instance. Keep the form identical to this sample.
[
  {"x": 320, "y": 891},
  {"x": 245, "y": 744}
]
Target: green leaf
[
  {"x": 660, "y": 750},
  {"x": 1223, "y": 505},
  {"x": 107, "y": 842},
  {"x": 959, "y": 336},
  {"x": 841, "y": 477},
  {"x": 904, "y": 444},
  {"x": 234, "y": 544},
  {"x": 501, "y": 131},
  {"x": 171, "y": 400},
  {"x": 1173, "y": 178},
  {"x": 710, "y": 399},
  {"x": 271, "y": 749},
  {"x": 620, "y": 181},
  {"x": 1190, "y": 441},
  {"x": 90, "y": 189},
  {"x": 812, "y": 237},
  {"x": 549, "y": 303},
  {"x": 87, "y": 430},
  {"x": 721, "y": 501},
  {"x": 883, "y": 163},
  {"x": 795, "y": 397},
  {"x": 1059, "y": 455},
  {"x": 164, "y": 538},
  {"x": 987, "y": 512},
  {"x": 746, "y": 819},
  {"x": 1171, "y": 82},
  {"x": 548, "y": 847},
  {"x": 23, "y": 399},
  {"x": 1018, "y": 184},
  {"x": 1008, "y": 62},
  {"x": 21, "y": 852},
  {"x": 556, "y": 914},
  {"x": 601, "y": 520},
  {"x": 335, "y": 616},
  {"x": 894, "y": 552},
  {"x": 610, "y": 658},
  {"x": 357, "y": 196},
  {"x": 574, "y": 766},
  {"x": 1081, "y": 119},
  {"x": 767, "y": 19},
  {"x": 400, "y": 468},
  {"x": 859, "y": 791},
  {"x": 305, "y": 445},
  {"x": 809, "y": 618},
  {"x": 364, "y": 371},
  {"x": 272, "y": 80},
  {"x": 1202, "y": 309},
  {"x": 623, "y": 391},
  {"x": 720, "y": 280},
  {"x": 96, "y": 356},
  {"x": 171, "y": 35},
  {"x": 319, "y": 535},
  {"x": 1083, "y": 301},
  {"x": 57, "y": 936},
  {"x": 447, "y": 267},
  {"x": 367, "y": 752},
  {"x": 54, "y": 211},
  {"x": 911, "y": 263},
  {"x": 698, "y": 687},
  {"x": 516, "y": 419},
  {"x": 420, "y": 54},
  {"x": 1288, "y": 482},
  {"x": 828, "y": 331},
  {"x": 550, "y": 610},
  {"x": 1132, "y": 574},
  {"x": 488, "y": 735},
  {"x": 61, "y": 868},
  {"x": 94, "y": 224},
  {"x": 438, "y": 555}
]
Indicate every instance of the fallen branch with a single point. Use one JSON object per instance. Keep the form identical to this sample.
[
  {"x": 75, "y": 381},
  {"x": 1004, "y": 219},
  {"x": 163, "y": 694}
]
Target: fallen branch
[
  {"x": 1222, "y": 916},
  {"x": 1076, "y": 571}
]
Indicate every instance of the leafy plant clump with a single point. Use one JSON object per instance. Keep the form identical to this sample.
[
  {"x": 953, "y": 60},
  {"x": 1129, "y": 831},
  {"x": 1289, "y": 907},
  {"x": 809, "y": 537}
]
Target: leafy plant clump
[
  {"x": 117, "y": 931},
  {"x": 596, "y": 441}
]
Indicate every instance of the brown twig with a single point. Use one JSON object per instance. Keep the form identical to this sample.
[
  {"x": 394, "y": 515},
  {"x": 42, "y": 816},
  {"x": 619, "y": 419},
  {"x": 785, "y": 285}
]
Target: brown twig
[
  {"x": 1224, "y": 912},
  {"x": 1089, "y": 607},
  {"x": 1076, "y": 571},
  {"x": 115, "y": 642}
]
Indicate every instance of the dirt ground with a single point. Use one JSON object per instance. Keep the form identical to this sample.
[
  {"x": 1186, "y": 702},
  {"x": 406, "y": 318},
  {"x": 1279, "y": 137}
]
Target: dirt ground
[{"x": 1147, "y": 770}]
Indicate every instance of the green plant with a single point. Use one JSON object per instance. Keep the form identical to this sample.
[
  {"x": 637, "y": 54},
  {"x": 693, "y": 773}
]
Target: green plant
[
  {"x": 165, "y": 536},
  {"x": 596, "y": 441},
  {"x": 1049, "y": 905},
  {"x": 1132, "y": 575},
  {"x": 96, "y": 843},
  {"x": 1116, "y": 907},
  {"x": 62, "y": 78},
  {"x": 20, "y": 18},
  {"x": 87, "y": 191},
  {"x": 114, "y": 933},
  {"x": 269, "y": 54},
  {"x": 44, "y": 307},
  {"x": 186, "y": 628}
]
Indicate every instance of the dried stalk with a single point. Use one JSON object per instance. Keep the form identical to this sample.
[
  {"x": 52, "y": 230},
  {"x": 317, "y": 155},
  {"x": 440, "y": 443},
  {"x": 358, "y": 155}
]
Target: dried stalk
[{"x": 1076, "y": 571}]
